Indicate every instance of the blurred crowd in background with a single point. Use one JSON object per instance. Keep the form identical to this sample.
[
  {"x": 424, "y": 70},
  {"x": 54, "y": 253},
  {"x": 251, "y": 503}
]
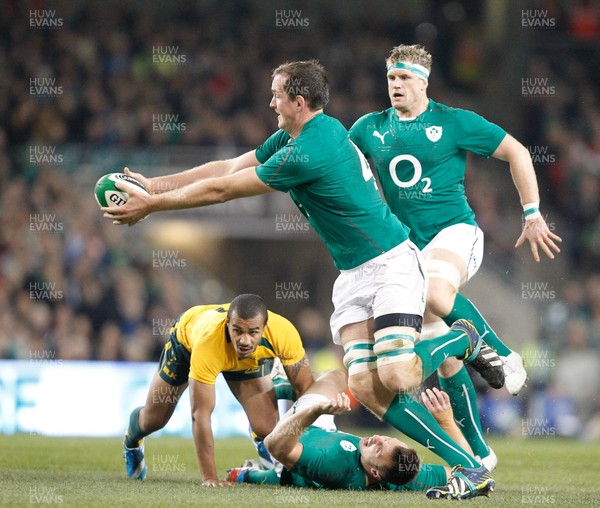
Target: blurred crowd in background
[{"x": 72, "y": 283}]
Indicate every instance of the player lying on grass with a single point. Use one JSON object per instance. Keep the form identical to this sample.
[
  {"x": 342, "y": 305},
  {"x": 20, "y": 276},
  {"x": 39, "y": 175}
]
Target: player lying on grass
[
  {"x": 239, "y": 340},
  {"x": 315, "y": 454}
]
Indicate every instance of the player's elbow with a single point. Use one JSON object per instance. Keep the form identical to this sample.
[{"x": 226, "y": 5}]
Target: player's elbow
[
  {"x": 220, "y": 192},
  {"x": 272, "y": 445},
  {"x": 278, "y": 450}
]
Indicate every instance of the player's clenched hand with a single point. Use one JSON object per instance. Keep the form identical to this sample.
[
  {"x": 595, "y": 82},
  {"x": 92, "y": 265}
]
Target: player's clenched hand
[
  {"x": 138, "y": 206},
  {"x": 216, "y": 483},
  {"x": 539, "y": 236},
  {"x": 436, "y": 401},
  {"x": 336, "y": 406}
]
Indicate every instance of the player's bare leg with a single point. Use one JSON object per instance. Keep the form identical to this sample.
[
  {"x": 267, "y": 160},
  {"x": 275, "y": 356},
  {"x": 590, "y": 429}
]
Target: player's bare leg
[
  {"x": 160, "y": 403},
  {"x": 257, "y": 397}
]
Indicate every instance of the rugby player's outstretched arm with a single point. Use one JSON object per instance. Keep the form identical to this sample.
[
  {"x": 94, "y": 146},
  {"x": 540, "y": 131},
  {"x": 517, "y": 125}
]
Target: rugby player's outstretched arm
[
  {"x": 200, "y": 193},
  {"x": 213, "y": 169}
]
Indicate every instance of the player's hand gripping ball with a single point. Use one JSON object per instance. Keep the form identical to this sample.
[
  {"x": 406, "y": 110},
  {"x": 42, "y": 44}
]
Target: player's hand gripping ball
[{"x": 108, "y": 195}]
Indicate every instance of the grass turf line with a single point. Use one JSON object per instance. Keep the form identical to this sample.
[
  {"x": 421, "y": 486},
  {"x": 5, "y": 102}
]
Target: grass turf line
[{"x": 90, "y": 472}]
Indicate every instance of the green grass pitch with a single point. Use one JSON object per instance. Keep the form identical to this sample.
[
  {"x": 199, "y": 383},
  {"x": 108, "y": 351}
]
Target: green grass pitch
[{"x": 90, "y": 472}]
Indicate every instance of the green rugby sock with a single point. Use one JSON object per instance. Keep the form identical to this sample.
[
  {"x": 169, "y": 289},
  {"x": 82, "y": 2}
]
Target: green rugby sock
[
  {"x": 411, "y": 418},
  {"x": 284, "y": 390},
  {"x": 268, "y": 477},
  {"x": 429, "y": 475},
  {"x": 463, "y": 400},
  {"x": 433, "y": 352},
  {"x": 464, "y": 309},
  {"x": 134, "y": 433}
]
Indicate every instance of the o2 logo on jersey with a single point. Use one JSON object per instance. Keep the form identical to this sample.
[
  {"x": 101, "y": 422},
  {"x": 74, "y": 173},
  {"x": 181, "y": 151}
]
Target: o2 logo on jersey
[
  {"x": 347, "y": 445},
  {"x": 417, "y": 173}
]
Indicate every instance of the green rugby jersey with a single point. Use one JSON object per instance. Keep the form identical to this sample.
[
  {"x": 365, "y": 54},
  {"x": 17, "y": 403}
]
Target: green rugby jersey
[
  {"x": 421, "y": 163},
  {"x": 331, "y": 460},
  {"x": 331, "y": 183}
]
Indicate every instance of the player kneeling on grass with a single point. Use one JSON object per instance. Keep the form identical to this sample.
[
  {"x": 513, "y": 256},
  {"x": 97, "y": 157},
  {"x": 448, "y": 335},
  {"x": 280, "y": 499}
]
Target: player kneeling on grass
[
  {"x": 315, "y": 454},
  {"x": 240, "y": 340}
]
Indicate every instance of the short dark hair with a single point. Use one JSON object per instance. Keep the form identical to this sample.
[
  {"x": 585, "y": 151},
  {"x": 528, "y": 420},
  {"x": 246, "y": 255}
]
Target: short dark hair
[
  {"x": 307, "y": 79},
  {"x": 403, "y": 467},
  {"x": 247, "y": 306}
]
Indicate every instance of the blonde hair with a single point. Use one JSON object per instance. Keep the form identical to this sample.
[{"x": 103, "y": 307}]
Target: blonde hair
[{"x": 414, "y": 54}]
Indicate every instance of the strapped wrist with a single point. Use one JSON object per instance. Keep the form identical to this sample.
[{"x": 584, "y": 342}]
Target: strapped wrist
[{"x": 531, "y": 211}]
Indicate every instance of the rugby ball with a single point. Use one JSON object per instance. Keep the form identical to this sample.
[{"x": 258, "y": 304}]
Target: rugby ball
[{"x": 107, "y": 193}]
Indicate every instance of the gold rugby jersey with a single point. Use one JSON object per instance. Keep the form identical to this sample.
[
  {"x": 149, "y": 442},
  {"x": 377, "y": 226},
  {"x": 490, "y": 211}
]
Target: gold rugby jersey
[{"x": 202, "y": 331}]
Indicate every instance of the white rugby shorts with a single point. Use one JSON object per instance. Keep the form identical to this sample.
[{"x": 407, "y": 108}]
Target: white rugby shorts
[
  {"x": 392, "y": 283},
  {"x": 464, "y": 240}
]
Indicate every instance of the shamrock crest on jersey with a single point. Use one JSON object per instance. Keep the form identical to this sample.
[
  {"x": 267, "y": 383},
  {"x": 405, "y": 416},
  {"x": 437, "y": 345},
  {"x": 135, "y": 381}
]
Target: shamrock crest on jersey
[{"x": 434, "y": 133}]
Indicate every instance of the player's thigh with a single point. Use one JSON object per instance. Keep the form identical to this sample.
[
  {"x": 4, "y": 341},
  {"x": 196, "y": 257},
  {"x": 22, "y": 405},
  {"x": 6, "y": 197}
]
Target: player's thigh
[
  {"x": 170, "y": 380},
  {"x": 446, "y": 272},
  {"x": 257, "y": 398},
  {"x": 400, "y": 287},
  {"x": 455, "y": 248},
  {"x": 393, "y": 283},
  {"x": 161, "y": 402}
]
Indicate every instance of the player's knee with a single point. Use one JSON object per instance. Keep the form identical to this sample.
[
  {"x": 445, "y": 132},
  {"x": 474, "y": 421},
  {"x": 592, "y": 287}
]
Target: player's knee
[
  {"x": 263, "y": 429},
  {"x": 399, "y": 380},
  {"x": 361, "y": 389},
  {"x": 440, "y": 297}
]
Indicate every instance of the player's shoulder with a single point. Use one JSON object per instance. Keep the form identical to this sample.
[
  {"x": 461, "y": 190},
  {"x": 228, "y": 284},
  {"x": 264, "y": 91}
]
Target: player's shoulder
[
  {"x": 321, "y": 125},
  {"x": 372, "y": 119},
  {"x": 273, "y": 143},
  {"x": 451, "y": 112},
  {"x": 208, "y": 310},
  {"x": 204, "y": 317},
  {"x": 278, "y": 322}
]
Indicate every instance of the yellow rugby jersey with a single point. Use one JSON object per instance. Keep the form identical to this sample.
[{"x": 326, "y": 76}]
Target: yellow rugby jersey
[{"x": 202, "y": 331}]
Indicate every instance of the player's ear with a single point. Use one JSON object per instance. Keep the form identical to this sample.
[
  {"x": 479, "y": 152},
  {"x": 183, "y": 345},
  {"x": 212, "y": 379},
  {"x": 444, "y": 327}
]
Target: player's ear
[{"x": 375, "y": 474}]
